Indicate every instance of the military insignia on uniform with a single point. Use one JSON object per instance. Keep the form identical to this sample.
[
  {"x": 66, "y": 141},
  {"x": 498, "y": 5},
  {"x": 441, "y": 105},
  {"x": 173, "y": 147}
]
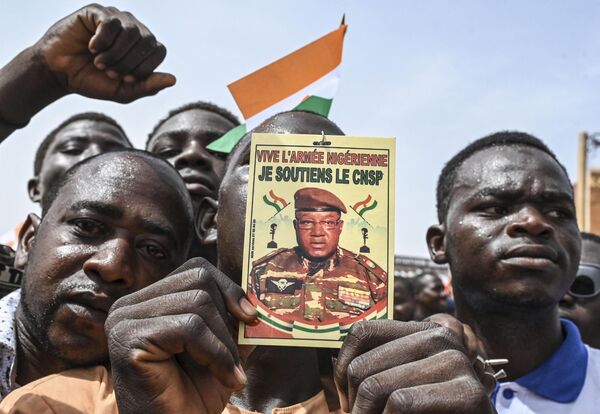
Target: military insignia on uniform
[
  {"x": 354, "y": 297},
  {"x": 283, "y": 285}
]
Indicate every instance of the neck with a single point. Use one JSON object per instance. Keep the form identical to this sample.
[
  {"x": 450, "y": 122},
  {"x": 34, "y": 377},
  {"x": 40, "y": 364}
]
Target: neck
[
  {"x": 524, "y": 336},
  {"x": 422, "y": 313},
  {"x": 33, "y": 360},
  {"x": 278, "y": 377}
]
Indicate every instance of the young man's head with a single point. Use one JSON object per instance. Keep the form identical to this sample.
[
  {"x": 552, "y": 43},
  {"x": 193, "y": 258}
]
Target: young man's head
[
  {"x": 582, "y": 303},
  {"x": 404, "y": 299},
  {"x": 80, "y": 137},
  {"x": 506, "y": 224},
  {"x": 429, "y": 293},
  {"x": 234, "y": 189},
  {"x": 111, "y": 225},
  {"x": 181, "y": 139}
]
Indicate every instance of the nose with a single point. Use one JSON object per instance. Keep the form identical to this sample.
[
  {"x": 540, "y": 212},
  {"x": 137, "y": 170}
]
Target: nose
[
  {"x": 193, "y": 155},
  {"x": 317, "y": 229},
  {"x": 112, "y": 264},
  {"x": 529, "y": 221}
]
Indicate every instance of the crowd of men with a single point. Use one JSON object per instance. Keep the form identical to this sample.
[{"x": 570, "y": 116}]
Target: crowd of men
[{"x": 131, "y": 275}]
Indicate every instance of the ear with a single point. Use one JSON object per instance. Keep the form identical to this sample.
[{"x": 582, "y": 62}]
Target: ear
[
  {"x": 436, "y": 243},
  {"x": 206, "y": 221},
  {"x": 26, "y": 237},
  {"x": 33, "y": 189}
]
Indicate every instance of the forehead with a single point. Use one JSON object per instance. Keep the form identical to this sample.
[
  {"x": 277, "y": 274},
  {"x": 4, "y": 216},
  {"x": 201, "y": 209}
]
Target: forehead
[
  {"x": 91, "y": 130},
  {"x": 590, "y": 252},
  {"x": 510, "y": 169},
  {"x": 194, "y": 121},
  {"x": 131, "y": 185},
  {"x": 317, "y": 215},
  {"x": 299, "y": 123}
]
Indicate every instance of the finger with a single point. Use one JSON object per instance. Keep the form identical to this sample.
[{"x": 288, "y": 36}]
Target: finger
[
  {"x": 145, "y": 48},
  {"x": 365, "y": 336},
  {"x": 375, "y": 390},
  {"x": 123, "y": 43},
  {"x": 415, "y": 347},
  {"x": 137, "y": 345},
  {"x": 198, "y": 302},
  {"x": 105, "y": 35},
  {"x": 461, "y": 395},
  {"x": 150, "y": 63}
]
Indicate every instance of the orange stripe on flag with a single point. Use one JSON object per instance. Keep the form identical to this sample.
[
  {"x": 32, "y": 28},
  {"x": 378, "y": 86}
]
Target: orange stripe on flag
[{"x": 265, "y": 87}]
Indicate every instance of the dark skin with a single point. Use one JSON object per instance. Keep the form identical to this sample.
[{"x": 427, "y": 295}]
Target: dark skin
[
  {"x": 75, "y": 142},
  {"x": 182, "y": 141},
  {"x": 431, "y": 299},
  {"x": 404, "y": 301},
  {"x": 584, "y": 311},
  {"x": 98, "y": 52},
  {"x": 104, "y": 236},
  {"x": 512, "y": 242},
  {"x": 207, "y": 367}
]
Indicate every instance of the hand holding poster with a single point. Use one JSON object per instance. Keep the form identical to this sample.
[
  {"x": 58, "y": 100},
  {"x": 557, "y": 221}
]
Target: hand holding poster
[{"x": 318, "y": 252}]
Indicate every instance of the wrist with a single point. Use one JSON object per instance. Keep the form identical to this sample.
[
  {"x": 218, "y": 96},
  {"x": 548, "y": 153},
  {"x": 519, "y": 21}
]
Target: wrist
[{"x": 26, "y": 87}]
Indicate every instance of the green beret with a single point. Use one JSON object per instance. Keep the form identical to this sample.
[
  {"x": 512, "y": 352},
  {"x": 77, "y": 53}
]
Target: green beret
[{"x": 317, "y": 199}]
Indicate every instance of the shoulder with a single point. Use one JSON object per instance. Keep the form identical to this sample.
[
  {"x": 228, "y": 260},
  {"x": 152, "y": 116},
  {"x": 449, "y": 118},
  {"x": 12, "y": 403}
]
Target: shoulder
[
  {"x": 276, "y": 255},
  {"x": 367, "y": 264},
  {"x": 66, "y": 392}
]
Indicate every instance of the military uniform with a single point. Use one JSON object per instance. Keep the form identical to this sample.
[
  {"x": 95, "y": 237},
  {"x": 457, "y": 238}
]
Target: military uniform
[{"x": 345, "y": 285}]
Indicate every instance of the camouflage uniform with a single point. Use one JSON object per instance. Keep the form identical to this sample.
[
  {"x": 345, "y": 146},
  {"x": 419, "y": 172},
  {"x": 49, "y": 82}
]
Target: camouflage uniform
[{"x": 291, "y": 285}]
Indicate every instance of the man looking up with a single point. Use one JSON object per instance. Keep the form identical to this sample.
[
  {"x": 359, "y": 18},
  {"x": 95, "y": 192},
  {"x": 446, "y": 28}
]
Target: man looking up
[
  {"x": 507, "y": 229},
  {"x": 430, "y": 297},
  {"x": 581, "y": 304}
]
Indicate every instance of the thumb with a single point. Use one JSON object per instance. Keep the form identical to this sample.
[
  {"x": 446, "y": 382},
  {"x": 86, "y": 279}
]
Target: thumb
[{"x": 153, "y": 84}]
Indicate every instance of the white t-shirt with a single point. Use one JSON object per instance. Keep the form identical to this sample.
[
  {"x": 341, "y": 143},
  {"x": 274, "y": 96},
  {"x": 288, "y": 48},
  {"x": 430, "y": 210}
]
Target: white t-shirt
[{"x": 566, "y": 383}]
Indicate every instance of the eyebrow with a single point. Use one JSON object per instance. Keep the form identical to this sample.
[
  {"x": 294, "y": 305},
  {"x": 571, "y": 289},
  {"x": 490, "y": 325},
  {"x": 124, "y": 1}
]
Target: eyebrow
[
  {"x": 183, "y": 133},
  {"x": 104, "y": 209},
  {"x": 159, "y": 229},
  {"x": 549, "y": 195}
]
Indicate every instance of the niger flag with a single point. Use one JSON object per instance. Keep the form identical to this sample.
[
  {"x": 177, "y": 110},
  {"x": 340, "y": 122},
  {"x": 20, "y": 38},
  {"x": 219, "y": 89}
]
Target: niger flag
[{"x": 305, "y": 79}]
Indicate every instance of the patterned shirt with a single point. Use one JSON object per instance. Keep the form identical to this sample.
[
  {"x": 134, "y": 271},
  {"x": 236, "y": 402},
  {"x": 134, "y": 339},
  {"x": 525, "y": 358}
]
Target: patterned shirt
[{"x": 8, "y": 342}]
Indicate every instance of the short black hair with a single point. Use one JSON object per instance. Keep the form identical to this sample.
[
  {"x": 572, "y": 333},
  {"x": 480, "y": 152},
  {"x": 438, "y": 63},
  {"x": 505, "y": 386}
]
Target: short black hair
[
  {"x": 590, "y": 237},
  {"x": 201, "y": 105},
  {"x": 447, "y": 177},
  {"x": 407, "y": 283},
  {"x": 50, "y": 196},
  {"x": 84, "y": 116}
]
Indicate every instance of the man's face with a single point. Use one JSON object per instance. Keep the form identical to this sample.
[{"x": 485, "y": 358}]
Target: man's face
[
  {"x": 432, "y": 296},
  {"x": 117, "y": 226},
  {"x": 234, "y": 189},
  {"x": 182, "y": 141},
  {"x": 511, "y": 237},
  {"x": 585, "y": 312},
  {"x": 318, "y": 233},
  {"x": 76, "y": 142}
]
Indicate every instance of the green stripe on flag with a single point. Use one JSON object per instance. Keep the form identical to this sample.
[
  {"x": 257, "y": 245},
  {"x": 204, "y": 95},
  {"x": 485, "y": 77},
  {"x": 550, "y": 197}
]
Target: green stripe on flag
[
  {"x": 316, "y": 104},
  {"x": 272, "y": 204},
  {"x": 371, "y": 207},
  {"x": 229, "y": 140}
]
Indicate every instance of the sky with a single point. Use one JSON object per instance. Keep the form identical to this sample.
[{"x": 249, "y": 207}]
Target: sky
[{"x": 434, "y": 74}]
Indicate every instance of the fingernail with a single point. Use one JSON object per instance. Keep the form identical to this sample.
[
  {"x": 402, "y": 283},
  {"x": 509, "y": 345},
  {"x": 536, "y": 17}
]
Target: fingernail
[
  {"x": 112, "y": 74},
  {"x": 247, "y": 307},
  {"x": 100, "y": 65},
  {"x": 240, "y": 375},
  {"x": 129, "y": 79}
]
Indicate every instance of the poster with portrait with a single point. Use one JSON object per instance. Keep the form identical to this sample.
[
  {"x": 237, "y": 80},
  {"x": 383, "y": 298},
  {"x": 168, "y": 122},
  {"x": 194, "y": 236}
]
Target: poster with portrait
[{"x": 318, "y": 248}]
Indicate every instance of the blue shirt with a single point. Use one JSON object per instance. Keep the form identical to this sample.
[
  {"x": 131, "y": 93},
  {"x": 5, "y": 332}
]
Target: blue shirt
[{"x": 567, "y": 382}]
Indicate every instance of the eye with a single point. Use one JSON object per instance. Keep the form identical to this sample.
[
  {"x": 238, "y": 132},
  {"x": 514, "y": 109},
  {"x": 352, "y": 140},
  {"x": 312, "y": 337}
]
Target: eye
[
  {"x": 168, "y": 152},
  {"x": 89, "y": 227},
  {"x": 154, "y": 251},
  {"x": 495, "y": 210},
  {"x": 560, "y": 213},
  {"x": 71, "y": 150},
  {"x": 218, "y": 155}
]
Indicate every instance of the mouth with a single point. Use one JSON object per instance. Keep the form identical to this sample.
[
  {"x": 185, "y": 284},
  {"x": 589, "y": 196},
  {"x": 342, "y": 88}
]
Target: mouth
[
  {"x": 89, "y": 305},
  {"x": 197, "y": 184},
  {"x": 531, "y": 256}
]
